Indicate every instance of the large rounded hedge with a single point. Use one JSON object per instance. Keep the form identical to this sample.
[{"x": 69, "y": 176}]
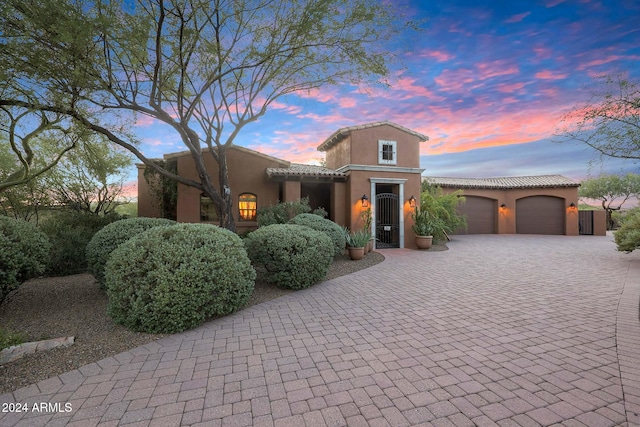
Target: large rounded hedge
[
  {"x": 111, "y": 236},
  {"x": 169, "y": 279},
  {"x": 330, "y": 228},
  {"x": 294, "y": 256},
  {"x": 24, "y": 253}
]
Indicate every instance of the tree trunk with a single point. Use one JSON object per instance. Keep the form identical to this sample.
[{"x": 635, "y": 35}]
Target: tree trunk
[{"x": 226, "y": 207}]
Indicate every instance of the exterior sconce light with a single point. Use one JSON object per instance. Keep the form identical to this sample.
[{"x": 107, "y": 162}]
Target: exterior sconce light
[
  {"x": 412, "y": 202},
  {"x": 572, "y": 205},
  {"x": 503, "y": 206},
  {"x": 365, "y": 201}
]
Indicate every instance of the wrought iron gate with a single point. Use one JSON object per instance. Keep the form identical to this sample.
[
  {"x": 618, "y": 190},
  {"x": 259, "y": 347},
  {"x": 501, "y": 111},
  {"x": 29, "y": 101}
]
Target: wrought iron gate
[
  {"x": 585, "y": 222},
  {"x": 387, "y": 221}
]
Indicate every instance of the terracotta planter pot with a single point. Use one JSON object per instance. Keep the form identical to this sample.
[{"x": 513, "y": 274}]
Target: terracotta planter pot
[
  {"x": 356, "y": 253},
  {"x": 424, "y": 242},
  {"x": 369, "y": 247}
]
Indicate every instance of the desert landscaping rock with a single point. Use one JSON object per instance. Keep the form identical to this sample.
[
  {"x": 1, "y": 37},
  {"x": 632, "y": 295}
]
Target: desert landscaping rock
[{"x": 16, "y": 352}]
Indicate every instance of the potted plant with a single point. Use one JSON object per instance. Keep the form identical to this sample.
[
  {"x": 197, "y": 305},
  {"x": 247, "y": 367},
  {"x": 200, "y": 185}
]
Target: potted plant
[
  {"x": 367, "y": 219},
  {"x": 356, "y": 242},
  {"x": 425, "y": 226}
]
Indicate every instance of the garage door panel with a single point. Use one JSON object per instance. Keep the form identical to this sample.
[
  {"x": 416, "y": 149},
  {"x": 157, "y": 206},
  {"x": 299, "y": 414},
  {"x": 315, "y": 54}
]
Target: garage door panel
[
  {"x": 481, "y": 215},
  {"x": 540, "y": 215}
]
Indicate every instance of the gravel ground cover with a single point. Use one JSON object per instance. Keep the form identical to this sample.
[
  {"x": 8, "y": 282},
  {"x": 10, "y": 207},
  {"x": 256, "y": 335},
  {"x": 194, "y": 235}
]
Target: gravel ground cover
[{"x": 75, "y": 306}]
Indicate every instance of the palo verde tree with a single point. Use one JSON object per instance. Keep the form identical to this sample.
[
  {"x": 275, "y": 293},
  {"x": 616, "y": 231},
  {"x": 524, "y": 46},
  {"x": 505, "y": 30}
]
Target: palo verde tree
[
  {"x": 204, "y": 68},
  {"x": 611, "y": 190},
  {"x": 90, "y": 178},
  {"x": 610, "y": 121},
  {"x": 22, "y": 131}
]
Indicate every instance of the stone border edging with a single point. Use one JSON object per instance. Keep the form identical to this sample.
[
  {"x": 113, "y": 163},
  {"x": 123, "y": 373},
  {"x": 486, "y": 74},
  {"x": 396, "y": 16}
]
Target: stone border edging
[{"x": 16, "y": 352}]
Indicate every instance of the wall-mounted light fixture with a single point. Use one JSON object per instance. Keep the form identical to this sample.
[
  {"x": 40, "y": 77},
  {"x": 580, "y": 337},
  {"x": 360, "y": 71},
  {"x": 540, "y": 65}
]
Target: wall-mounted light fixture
[
  {"x": 412, "y": 202},
  {"x": 503, "y": 206},
  {"x": 572, "y": 205},
  {"x": 365, "y": 201}
]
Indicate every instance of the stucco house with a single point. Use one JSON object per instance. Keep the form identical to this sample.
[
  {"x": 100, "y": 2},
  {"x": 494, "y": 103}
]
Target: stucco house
[{"x": 376, "y": 166}]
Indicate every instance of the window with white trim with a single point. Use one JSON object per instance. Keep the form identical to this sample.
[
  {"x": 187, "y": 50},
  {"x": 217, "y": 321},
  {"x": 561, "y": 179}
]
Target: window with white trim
[{"x": 386, "y": 152}]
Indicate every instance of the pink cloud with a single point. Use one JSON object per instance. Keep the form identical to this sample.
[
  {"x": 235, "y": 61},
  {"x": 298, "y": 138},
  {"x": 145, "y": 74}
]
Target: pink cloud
[
  {"x": 347, "y": 102},
  {"x": 496, "y": 69},
  {"x": 464, "y": 79},
  {"x": 289, "y": 109},
  {"x": 142, "y": 120},
  {"x": 597, "y": 62},
  {"x": 510, "y": 88},
  {"x": 517, "y": 18},
  {"x": 550, "y": 75},
  {"x": 438, "y": 55},
  {"x": 554, "y": 3}
]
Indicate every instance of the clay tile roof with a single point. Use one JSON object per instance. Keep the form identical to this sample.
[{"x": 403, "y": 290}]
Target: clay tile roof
[
  {"x": 300, "y": 170},
  {"x": 342, "y": 133},
  {"x": 506, "y": 182}
]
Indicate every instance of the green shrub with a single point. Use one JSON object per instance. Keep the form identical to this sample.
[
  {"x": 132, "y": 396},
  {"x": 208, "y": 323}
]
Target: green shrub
[
  {"x": 69, "y": 233},
  {"x": 8, "y": 338},
  {"x": 294, "y": 256},
  {"x": 330, "y": 228},
  {"x": 169, "y": 279},
  {"x": 281, "y": 212},
  {"x": 112, "y": 235},
  {"x": 628, "y": 235},
  {"x": 24, "y": 252}
]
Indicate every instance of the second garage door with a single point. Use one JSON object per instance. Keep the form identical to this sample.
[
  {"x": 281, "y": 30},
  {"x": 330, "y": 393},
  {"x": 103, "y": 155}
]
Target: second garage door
[
  {"x": 481, "y": 215},
  {"x": 540, "y": 215}
]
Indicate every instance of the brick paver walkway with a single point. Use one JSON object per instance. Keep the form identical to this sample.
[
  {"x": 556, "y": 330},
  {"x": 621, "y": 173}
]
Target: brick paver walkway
[{"x": 499, "y": 330}]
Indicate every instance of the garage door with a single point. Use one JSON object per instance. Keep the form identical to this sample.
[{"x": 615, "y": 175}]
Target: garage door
[
  {"x": 540, "y": 215},
  {"x": 481, "y": 215}
]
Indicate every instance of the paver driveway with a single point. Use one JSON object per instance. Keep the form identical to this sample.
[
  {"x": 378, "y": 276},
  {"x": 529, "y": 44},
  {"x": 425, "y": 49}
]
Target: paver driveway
[{"x": 506, "y": 330}]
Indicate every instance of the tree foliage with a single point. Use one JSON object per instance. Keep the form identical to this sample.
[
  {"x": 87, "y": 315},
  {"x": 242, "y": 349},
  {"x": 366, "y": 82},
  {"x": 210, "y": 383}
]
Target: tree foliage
[
  {"x": 628, "y": 236},
  {"x": 204, "y": 68},
  {"x": 441, "y": 208},
  {"x": 611, "y": 190},
  {"x": 22, "y": 133},
  {"x": 90, "y": 178},
  {"x": 610, "y": 121}
]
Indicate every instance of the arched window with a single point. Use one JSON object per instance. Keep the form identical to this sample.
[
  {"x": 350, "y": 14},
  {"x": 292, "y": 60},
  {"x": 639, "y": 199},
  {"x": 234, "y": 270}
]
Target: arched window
[
  {"x": 248, "y": 204},
  {"x": 208, "y": 212}
]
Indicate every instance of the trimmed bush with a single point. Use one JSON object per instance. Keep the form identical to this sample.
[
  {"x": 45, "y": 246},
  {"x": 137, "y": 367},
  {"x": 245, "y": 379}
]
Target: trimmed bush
[
  {"x": 281, "y": 212},
  {"x": 111, "y": 236},
  {"x": 24, "y": 253},
  {"x": 294, "y": 256},
  {"x": 330, "y": 228},
  {"x": 628, "y": 236},
  {"x": 69, "y": 233},
  {"x": 169, "y": 279}
]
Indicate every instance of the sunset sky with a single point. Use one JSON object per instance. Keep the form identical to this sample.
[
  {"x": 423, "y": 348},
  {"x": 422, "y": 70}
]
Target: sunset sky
[{"x": 488, "y": 82}]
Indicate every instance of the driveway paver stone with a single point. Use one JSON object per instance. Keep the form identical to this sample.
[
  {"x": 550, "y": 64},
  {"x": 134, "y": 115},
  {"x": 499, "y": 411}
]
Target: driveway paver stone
[{"x": 499, "y": 330}]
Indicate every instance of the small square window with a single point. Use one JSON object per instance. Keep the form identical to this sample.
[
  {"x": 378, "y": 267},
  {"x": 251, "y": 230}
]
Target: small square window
[{"x": 387, "y": 152}]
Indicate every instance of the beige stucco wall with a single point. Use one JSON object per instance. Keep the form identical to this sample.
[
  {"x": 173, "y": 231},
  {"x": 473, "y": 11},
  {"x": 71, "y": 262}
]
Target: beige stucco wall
[
  {"x": 339, "y": 155},
  {"x": 507, "y": 215},
  {"x": 360, "y": 147},
  {"x": 246, "y": 175},
  {"x": 599, "y": 223}
]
